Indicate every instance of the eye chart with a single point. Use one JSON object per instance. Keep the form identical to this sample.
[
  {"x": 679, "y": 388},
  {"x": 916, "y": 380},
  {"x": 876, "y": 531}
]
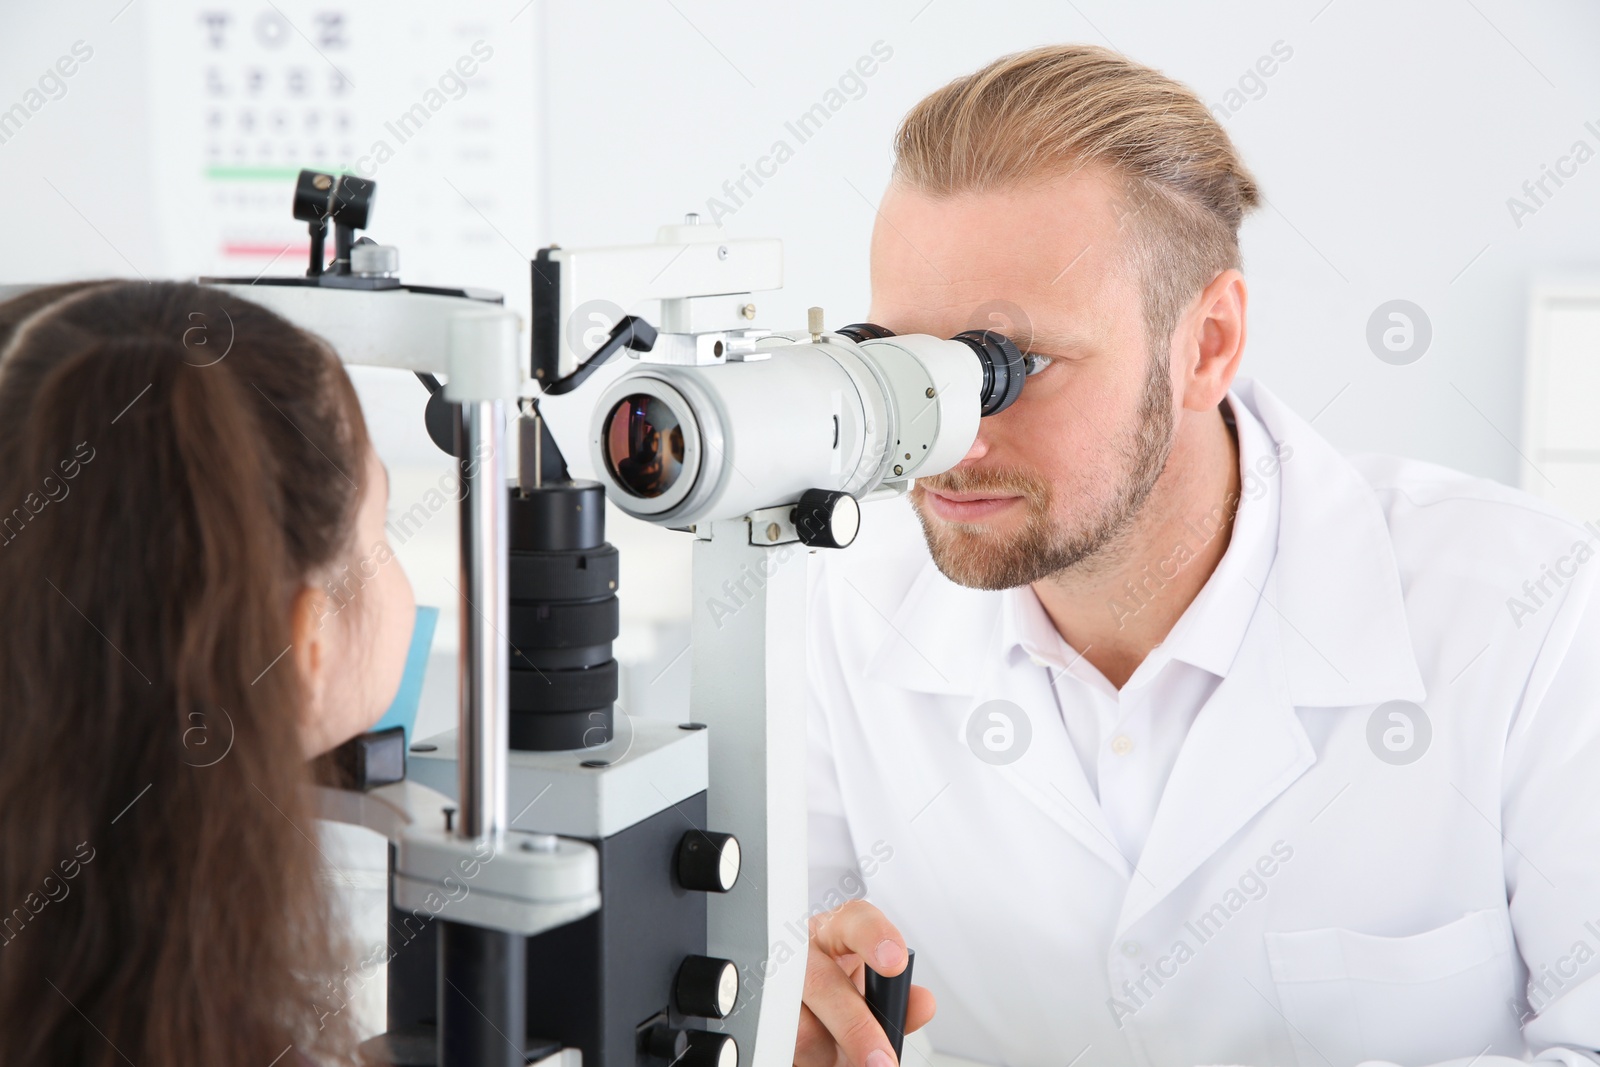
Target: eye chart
[{"x": 439, "y": 104}]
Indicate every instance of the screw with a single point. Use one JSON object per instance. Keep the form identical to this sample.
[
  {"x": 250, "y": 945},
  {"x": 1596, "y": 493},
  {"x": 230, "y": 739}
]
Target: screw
[
  {"x": 322, "y": 181},
  {"x": 722, "y": 251},
  {"x": 449, "y": 820},
  {"x": 773, "y": 530},
  {"x": 929, "y": 393},
  {"x": 747, "y": 311},
  {"x": 899, "y": 469}
]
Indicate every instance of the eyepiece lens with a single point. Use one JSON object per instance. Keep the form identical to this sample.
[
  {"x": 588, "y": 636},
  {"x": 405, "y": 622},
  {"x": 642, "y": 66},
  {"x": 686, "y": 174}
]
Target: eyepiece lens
[{"x": 644, "y": 445}]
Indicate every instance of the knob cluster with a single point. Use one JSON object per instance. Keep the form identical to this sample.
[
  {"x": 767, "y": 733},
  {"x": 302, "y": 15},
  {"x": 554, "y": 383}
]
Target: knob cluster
[{"x": 705, "y": 986}]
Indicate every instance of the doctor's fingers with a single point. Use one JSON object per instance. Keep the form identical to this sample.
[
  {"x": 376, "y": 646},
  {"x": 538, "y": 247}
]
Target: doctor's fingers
[
  {"x": 859, "y": 928},
  {"x": 842, "y": 1030},
  {"x": 813, "y": 1045}
]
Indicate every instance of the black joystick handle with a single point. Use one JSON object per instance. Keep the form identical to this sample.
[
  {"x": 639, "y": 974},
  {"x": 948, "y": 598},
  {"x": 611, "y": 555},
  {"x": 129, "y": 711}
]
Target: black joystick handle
[{"x": 888, "y": 999}]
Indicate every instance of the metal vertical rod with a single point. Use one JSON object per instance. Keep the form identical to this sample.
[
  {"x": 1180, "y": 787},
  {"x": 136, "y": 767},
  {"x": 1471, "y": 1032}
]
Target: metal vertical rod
[
  {"x": 482, "y": 989},
  {"x": 485, "y": 658}
]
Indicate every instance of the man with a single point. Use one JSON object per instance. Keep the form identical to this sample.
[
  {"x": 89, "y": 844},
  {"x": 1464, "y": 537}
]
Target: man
[{"x": 1178, "y": 738}]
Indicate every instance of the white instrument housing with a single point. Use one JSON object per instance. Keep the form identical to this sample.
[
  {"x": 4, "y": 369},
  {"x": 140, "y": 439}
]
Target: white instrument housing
[{"x": 792, "y": 414}]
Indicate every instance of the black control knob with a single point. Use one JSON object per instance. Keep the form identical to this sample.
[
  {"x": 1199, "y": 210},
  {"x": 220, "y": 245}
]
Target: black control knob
[
  {"x": 666, "y": 1043},
  {"x": 826, "y": 518},
  {"x": 708, "y": 862},
  {"x": 706, "y": 986},
  {"x": 707, "y": 1049}
]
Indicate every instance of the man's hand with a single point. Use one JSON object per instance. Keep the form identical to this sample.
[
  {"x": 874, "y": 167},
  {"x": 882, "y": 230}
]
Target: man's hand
[{"x": 836, "y": 1026}]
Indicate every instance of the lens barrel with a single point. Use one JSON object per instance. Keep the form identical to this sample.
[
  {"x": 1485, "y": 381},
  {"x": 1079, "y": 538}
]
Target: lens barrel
[
  {"x": 563, "y": 618},
  {"x": 1003, "y": 373}
]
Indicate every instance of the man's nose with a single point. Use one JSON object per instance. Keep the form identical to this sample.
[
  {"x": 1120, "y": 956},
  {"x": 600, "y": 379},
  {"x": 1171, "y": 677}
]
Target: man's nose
[{"x": 979, "y": 449}]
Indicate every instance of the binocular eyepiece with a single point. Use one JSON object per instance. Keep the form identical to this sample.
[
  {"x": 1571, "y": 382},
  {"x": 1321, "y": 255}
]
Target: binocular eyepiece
[
  {"x": 997, "y": 354},
  {"x": 846, "y": 411}
]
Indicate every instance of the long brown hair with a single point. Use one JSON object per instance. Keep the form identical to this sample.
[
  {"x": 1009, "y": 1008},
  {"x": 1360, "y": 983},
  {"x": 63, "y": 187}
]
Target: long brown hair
[{"x": 175, "y": 465}]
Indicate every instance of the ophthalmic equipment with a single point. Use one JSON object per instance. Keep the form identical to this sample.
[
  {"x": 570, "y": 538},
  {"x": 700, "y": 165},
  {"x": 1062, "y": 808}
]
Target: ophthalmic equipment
[{"x": 569, "y": 885}]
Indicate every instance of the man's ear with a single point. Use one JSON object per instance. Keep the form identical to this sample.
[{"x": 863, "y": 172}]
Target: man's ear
[
  {"x": 311, "y": 653},
  {"x": 1210, "y": 341}
]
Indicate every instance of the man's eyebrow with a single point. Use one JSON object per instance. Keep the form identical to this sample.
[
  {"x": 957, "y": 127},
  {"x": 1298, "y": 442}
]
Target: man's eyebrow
[{"x": 1050, "y": 341}]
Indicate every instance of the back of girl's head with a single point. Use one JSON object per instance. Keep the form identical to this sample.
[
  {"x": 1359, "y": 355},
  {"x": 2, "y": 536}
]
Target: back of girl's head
[{"x": 176, "y": 465}]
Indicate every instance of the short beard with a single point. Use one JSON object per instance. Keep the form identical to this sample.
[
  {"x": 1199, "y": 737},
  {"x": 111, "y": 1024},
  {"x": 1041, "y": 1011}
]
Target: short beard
[{"x": 972, "y": 556}]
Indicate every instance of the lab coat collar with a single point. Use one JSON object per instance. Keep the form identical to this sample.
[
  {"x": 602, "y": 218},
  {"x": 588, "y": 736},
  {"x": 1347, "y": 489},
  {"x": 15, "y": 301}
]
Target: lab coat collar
[
  {"x": 1334, "y": 591},
  {"x": 1340, "y": 604}
]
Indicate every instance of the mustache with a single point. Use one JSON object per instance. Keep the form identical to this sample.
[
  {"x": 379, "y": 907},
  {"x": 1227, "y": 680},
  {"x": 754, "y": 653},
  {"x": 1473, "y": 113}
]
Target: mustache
[{"x": 999, "y": 481}]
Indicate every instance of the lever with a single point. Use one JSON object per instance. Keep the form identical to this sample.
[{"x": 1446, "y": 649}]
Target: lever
[
  {"x": 630, "y": 332},
  {"x": 888, "y": 999}
]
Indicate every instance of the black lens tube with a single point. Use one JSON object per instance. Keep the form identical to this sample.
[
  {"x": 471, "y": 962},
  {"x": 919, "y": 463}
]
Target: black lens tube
[
  {"x": 1003, "y": 372},
  {"x": 564, "y": 616}
]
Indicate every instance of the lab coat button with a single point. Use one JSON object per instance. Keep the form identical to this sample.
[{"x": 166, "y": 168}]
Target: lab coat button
[
  {"x": 1130, "y": 948},
  {"x": 1122, "y": 744}
]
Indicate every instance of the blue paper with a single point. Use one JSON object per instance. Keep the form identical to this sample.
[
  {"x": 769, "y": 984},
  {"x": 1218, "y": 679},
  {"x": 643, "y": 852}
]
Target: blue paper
[{"x": 403, "y": 711}]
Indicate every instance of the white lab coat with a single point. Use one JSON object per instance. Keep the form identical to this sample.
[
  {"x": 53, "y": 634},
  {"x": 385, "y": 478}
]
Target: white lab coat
[{"x": 1299, "y": 900}]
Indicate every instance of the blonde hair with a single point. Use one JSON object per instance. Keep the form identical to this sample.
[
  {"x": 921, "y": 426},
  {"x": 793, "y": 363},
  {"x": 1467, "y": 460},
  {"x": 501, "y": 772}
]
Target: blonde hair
[{"x": 1050, "y": 111}]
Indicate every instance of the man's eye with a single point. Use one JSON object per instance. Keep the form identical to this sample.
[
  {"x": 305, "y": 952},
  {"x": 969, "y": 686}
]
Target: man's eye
[{"x": 1032, "y": 364}]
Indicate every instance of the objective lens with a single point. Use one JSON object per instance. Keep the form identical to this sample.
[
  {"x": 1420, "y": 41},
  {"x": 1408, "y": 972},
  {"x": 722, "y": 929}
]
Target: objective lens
[{"x": 644, "y": 445}]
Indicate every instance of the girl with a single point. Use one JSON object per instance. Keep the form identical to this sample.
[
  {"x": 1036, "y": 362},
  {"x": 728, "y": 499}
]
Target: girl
[{"x": 182, "y": 473}]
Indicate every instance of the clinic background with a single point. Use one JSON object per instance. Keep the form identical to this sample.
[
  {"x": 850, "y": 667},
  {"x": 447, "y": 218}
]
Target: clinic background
[{"x": 1390, "y": 141}]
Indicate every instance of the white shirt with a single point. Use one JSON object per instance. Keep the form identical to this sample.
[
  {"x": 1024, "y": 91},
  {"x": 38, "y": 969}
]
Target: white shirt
[
  {"x": 1379, "y": 838},
  {"x": 1127, "y": 740}
]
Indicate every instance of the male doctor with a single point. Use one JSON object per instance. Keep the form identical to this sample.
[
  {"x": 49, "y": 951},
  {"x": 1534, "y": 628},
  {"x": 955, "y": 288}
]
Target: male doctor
[{"x": 1174, "y": 737}]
